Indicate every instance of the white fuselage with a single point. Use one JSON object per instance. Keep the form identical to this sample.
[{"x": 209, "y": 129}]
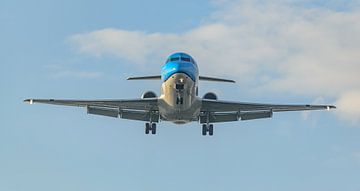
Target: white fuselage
[{"x": 178, "y": 101}]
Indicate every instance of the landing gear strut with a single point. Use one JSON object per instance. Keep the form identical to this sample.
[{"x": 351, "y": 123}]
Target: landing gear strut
[
  {"x": 208, "y": 128},
  {"x": 150, "y": 127}
]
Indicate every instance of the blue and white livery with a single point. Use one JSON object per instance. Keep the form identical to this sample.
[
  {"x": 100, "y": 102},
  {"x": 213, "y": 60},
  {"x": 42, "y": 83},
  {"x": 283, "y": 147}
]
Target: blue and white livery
[{"x": 179, "y": 101}]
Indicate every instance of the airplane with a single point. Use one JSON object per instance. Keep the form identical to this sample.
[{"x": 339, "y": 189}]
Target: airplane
[{"x": 179, "y": 101}]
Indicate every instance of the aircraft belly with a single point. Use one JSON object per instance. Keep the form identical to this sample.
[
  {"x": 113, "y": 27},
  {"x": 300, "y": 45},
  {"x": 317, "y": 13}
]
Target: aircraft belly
[{"x": 179, "y": 105}]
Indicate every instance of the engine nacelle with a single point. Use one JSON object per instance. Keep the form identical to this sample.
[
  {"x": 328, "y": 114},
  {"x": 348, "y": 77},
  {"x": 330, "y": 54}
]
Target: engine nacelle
[
  {"x": 148, "y": 94},
  {"x": 210, "y": 95}
]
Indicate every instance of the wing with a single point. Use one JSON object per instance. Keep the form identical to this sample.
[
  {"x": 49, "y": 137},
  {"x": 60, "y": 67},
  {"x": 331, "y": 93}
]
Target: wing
[
  {"x": 222, "y": 111},
  {"x": 135, "y": 109}
]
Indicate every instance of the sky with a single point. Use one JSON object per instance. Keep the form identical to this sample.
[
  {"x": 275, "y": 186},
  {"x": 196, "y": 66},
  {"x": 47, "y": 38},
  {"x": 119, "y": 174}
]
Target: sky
[{"x": 278, "y": 52}]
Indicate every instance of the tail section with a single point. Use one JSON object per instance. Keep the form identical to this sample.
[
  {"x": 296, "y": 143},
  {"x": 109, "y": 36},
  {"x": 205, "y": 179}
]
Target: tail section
[
  {"x": 205, "y": 78},
  {"x": 158, "y": 77}
]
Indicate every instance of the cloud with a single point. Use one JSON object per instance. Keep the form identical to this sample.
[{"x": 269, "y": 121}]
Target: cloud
[
  {"x": 77, "y": 74},
  {"x": 135, "y": 46},
  {"x": 349, "y": 106},
  {"x": 58, "y": 71},
  {"x": 306, "y": 48}
]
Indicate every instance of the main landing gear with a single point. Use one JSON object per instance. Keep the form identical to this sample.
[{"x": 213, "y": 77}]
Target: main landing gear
[
  {"x": 208, "y": 128},
  {"x": 150, "y": 127}
]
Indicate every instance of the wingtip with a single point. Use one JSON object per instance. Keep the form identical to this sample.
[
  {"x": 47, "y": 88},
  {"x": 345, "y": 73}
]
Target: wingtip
[
  {"x": 30, "y": 101},
  {"x": 330, "y": 107}
]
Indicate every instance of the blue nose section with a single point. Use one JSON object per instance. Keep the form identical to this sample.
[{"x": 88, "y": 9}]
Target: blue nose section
[{"x": 171, "y": 68}]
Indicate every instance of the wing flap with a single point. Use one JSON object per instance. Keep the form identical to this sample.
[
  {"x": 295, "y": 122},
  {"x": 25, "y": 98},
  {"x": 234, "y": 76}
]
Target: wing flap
[
  {"x": 255, "y": 115},
  {"x": 109, "y": 112},
  {"x": 220, "y": 117},
  {"x": 139, "y": 115}
]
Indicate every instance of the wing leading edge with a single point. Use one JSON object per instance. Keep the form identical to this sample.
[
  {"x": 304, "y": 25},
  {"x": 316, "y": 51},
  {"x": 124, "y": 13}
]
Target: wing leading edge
[{"x": 222, "y": 111}]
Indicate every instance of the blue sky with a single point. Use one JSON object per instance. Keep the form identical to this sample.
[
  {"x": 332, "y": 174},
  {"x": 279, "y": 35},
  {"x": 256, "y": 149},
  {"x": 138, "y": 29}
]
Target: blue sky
[{"x": 278, "y": 52}]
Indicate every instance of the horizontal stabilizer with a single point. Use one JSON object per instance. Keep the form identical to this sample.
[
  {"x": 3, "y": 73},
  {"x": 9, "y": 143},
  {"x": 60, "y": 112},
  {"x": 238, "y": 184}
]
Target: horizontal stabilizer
[
  {"x": 215, "y": 79},
  {"x": 157, "y": 77}
]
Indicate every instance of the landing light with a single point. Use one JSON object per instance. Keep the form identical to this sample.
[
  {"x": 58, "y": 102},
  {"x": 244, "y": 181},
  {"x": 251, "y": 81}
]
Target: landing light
[
  {"x": 31, "y": 101},
  {"x": 328, "y": 108}
]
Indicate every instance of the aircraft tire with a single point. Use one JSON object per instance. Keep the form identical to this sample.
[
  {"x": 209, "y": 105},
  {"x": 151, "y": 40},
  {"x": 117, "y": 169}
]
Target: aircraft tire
[
  {"x": 204, "y": 129},
  {"x": 153, "y": 128},
  {"x": 147, "y": 128},
  {"x": 211, "y": 129}
]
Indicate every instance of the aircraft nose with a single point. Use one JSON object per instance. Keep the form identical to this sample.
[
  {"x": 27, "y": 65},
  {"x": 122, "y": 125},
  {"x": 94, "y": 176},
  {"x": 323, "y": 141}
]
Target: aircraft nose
[
  {"x": 176, "y": 66},
  {"x": 171, "y": 68}
]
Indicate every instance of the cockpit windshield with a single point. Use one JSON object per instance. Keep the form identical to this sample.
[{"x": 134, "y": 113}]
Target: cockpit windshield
[
  {"x": 174, "y": 59},
  {"x": 185, "y": 59},
  {"x": 180, "y": 57}
]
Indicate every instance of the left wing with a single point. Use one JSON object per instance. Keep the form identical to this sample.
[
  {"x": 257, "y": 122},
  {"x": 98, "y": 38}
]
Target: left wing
[
  {"x": 221, "y": 111},
  {"x": 135, "y": 109}
]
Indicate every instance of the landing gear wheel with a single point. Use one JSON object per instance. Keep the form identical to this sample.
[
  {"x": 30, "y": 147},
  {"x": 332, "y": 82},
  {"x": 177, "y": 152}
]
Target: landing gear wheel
[
  {"x": 150, "y": 127},
  {"x": 208, "y": 128},
  {"x": 147, "y": 128},
  {"x": 153, "y": 128},
  {"x": 204, "y": 129},
  {"x": 211, "y": 129}
]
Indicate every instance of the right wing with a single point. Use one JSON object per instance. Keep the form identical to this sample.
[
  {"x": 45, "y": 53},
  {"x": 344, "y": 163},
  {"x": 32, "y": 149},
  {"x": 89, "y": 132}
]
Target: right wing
[
  {"x": 217, "y": 105},
  {"x": 222, "y": 111},
  {"x": 135, "y": 109}
]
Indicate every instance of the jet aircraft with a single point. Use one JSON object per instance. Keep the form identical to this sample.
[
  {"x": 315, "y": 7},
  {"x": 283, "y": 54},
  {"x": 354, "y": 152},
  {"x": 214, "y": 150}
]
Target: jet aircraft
[{"x": 179, "y": 101}]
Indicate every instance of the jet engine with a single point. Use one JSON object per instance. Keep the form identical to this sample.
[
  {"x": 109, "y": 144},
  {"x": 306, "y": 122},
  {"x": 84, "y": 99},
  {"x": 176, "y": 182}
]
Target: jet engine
[
  {"x": 148, "y": 94},
  {"x": 210, "y": 95}
]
